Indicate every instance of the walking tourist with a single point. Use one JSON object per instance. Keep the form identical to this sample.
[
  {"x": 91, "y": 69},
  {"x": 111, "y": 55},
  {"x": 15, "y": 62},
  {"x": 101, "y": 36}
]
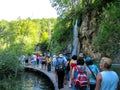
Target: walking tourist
[
  {"x": 44, "y": 62},
  {"x": 93, "y": 71},
  {"x": 60, "y": 65},
  {"x": 33, "y": 60},
  {"x": 73, "y": 63},
  {"x": 107, "y": 79},
  {"x": 49, "y": 61},
  {"x": 67, "y": 69},
  {"x": 40, "y": 61},
  {"x": 79, "y": 75},
  {"x": 37, "y": 58},
  {"x": 54, "y": 64}
]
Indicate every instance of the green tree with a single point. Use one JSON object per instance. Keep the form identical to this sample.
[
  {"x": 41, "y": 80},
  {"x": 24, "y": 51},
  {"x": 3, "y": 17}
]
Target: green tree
[{"x": 108, "y": 38}]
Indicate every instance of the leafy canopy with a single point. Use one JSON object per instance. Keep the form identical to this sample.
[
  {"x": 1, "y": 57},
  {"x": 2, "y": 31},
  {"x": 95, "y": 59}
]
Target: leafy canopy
[{"x": 108, "y": 38}]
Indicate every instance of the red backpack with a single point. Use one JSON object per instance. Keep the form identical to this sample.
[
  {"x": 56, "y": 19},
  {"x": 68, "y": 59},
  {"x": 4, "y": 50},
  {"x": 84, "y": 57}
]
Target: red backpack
[{"x": 81, "y": 79}]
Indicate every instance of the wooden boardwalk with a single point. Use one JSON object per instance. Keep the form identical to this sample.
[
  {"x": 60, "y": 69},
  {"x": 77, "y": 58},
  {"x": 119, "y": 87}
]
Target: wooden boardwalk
[{"x": 51, "y": 76}]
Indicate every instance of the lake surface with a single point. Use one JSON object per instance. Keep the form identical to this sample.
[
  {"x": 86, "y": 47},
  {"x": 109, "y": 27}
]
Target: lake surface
[{"x": 28, "y": 81}]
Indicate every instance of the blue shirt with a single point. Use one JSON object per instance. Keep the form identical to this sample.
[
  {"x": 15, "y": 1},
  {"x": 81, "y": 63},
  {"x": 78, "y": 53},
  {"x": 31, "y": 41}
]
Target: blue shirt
[
  {"x": 60, "y": 60},
  {"x": 95, "y": 70},
  {"x": 109, "y": 80}
]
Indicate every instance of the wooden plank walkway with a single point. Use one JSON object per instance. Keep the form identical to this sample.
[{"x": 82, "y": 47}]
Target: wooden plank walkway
[{"x": 51, "y": 76}]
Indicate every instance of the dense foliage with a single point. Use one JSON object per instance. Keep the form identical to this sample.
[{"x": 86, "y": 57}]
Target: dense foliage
[
  {"x": 62, "y": 36},
  {"x": 21, "y": 37},
  {"x": 69, "y": 11},
  {"x": 108, "y": 38}
]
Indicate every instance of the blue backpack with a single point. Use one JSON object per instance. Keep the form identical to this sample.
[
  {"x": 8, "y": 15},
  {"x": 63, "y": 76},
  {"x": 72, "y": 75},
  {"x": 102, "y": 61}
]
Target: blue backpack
[{"x": 60, "y": 66}]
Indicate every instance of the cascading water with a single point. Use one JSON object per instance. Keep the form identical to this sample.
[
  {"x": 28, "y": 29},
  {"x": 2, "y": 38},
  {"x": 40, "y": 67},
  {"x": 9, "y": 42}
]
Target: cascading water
[{"x": 75, "y": 39}]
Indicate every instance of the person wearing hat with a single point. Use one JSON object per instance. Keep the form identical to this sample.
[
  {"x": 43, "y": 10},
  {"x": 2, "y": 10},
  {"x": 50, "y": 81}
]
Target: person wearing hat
[
  {"x": 54, "y": 64},
  {"x": 60, "y": 65},
  {"x": 67, "y": 69},
  {"x": 107, "y": 79},
  {"x": 53, "y": 60},
  {"x": 73, "y": 63},
  {"x": 93, "y": 71}
]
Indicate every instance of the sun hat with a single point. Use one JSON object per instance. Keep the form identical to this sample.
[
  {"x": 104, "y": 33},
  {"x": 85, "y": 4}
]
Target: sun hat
[
  {"x": 60, "y": 55},
  {"x": 81, "y": 55},
  {"x": 54, "y": 56},
  {"x": 88, "y": 59}
]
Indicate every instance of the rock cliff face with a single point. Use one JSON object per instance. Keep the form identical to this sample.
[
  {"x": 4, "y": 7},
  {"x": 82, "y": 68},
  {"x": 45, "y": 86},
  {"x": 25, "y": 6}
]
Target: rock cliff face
[{"x": 87, "y": 32}]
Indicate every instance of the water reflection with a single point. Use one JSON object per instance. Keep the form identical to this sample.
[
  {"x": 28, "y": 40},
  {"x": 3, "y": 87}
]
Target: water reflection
[
  {"x": 27, "y": 81},
  {"x": 34, "y": 81}
]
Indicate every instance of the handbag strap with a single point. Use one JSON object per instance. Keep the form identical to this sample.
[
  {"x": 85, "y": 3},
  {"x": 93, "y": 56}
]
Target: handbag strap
[{"x": 92, "y": 72}]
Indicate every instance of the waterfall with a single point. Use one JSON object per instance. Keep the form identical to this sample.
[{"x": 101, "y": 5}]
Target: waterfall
[{"x": 75, "y": 39}]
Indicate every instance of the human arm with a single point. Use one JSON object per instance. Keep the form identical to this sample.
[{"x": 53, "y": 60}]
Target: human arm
[
  {"x": 88, "y": 76},
  {"x": 98, "y": 81},
  {"x": 97, "y": 70},
  {"x": 72, "y": 75}
]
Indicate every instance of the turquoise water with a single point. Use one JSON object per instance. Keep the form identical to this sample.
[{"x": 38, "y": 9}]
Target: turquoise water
[
  {"x": 28, "y": 81},
  {"x": 116, "y": 68}
]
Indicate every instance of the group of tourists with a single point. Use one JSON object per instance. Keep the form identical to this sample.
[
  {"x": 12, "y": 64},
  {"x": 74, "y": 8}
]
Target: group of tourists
[
  {"x": 80, "y": 73},
  {"x": 38, "y": 60}
]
